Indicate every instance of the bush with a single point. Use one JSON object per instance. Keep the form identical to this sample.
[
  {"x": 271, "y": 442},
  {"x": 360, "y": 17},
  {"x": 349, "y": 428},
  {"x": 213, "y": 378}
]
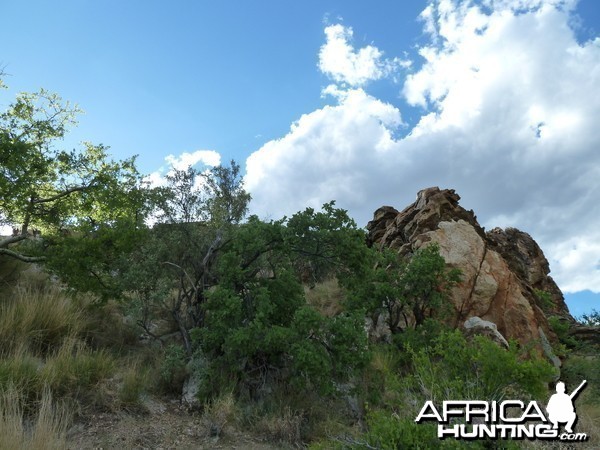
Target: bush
[
  {"x": 454, "y": 369},
  {"x": 258, "y": 327},
  {"x": 173, "y": 370},
  {"x": 561, "y": 328},
  {"x": 407, "y": 292},
  {"x": 390, "y": 432},
  {"x": 578, "y": 367},
  {"x": 438, "y": 365}
]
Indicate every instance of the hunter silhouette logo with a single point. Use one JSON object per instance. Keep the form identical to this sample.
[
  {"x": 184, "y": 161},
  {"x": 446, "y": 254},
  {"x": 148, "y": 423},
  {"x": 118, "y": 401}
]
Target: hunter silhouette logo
[
  {"x": 560, "y": 407},
  {"x": 508, "y": 419}
]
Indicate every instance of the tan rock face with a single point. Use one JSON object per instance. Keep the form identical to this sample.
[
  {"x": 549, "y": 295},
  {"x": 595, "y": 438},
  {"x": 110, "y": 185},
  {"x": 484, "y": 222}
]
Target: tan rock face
[{"x": 501, "y": 269}]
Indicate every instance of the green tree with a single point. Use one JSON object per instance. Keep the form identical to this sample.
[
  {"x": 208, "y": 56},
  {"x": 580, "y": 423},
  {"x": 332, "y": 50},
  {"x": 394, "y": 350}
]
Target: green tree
[
  {"x": 172, "y": 270},
  {"x": 55, "y": 191},
  {"x": 406, "y": 291},
  {"x": 258, "y": 326},
  {"x": 427, "y": 282}
]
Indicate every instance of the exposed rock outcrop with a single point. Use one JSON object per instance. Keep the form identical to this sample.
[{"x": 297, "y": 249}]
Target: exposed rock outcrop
[
  {"x": 526, "y": 260},
  {"x": 501, "y": 269},
  {"x": 475, "y": 326},
  {"x": 586, "y": 333}
]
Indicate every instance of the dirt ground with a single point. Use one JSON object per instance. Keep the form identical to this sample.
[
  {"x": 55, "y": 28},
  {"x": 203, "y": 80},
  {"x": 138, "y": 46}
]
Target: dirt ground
[{"x": 161, "y": 426}]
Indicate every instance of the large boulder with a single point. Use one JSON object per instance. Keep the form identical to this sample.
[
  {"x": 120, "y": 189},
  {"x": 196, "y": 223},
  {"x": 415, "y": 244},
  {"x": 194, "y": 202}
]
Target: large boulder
[
  {"x": 503, "y": 270},
  {"x": 475, "y": 326}
]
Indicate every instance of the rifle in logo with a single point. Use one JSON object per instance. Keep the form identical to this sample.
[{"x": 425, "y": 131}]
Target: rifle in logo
[{"x": 560, "y": 406}]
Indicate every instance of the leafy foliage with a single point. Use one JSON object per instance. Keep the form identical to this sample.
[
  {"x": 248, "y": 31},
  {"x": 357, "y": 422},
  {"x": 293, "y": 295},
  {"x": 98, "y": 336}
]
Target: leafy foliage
[
  {"x": 257, "y": 321},
  {"x": 590, "y": 319},
  {"x": 173, "y": 268},
  {"x": 63, "y": 194},
  {"x": 544, "y": 299},
  {"x": 561, "y": 328},
  {"x": 440, "y": 364},
  {"x": 452, "y": 367},
  {"x": 417, "y": 288}
]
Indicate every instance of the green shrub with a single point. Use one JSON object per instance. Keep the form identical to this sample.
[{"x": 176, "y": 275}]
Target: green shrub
[
  {"x": 173, "y": 369},
  {"x": 544, "y": 299},
  {"x": 576, "y": 368},
  {"x": 390, "y": 432},
  {"x": 481, "y": 370},
  {"x": 561, "y": 328}
]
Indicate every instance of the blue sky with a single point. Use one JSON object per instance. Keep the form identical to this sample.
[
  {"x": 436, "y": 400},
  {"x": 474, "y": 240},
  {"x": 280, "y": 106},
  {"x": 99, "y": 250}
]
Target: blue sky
[
  {"x": 158, "y": 77},
  {"x": 363, "y": 102}
]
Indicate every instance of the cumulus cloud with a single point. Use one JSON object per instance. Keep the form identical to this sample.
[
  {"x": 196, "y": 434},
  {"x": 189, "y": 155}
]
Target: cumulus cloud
[
  {"x": 510, "y": 106},
  {"x": 183, "y": 161},
  {"x": 208, "y": 158},
  {"x": 339, "y": 60},
  {"x": 328, "y": 154}
]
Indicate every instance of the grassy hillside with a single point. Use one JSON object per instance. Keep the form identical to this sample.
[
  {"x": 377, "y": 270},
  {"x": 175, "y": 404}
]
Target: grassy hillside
[{"x": 75, "y": 373}]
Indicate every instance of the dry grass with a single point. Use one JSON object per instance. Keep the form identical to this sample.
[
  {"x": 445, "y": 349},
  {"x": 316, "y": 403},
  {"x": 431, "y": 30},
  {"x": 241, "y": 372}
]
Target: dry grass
[
  {"x": 132, "y": 384},
  {"x": 589, "y": 422},
  {"x": 46, "y": 430},
  {"x": 41, "y": 332},
  {"x": 326, "y": 297},
  {"x": 37, "y": 320},
  {"x": 219, "y": 413},
  {"x": 74, "y": 368},
  {"x": 285, "y": 427}
]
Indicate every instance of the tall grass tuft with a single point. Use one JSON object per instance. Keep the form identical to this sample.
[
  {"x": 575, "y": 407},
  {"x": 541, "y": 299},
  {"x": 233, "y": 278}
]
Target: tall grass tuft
[
  {"x": 37, "y": 319},
  {"x": 327, "y": 297},
  {"x": 46, "y": 430},
  {"x": 74, "y": 368}
]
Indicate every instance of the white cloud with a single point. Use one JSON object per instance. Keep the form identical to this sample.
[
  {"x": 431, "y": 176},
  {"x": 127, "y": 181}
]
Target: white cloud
[
  {"x": 326, "y": 155},
  {"x": 519, "y": 101},
  {"x": 340, "y": 61},
  {"x": 511, "y": 107},
  {"x": 208, "y": 158},
  {"x": 184, "y": 160},
  {"x": 578, "y": 258}
]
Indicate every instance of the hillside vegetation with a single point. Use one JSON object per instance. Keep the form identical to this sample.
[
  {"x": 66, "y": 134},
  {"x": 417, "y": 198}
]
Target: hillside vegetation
[{"x": 171, "y": 318}]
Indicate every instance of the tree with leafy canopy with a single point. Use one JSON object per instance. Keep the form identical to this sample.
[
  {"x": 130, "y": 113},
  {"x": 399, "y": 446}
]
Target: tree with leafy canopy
[
  {"x": 406, "y": 290},
  {"x": 258, "y": 325},
  {"x": 58, "y": 192},
  {"x": 171, "y": 271}
]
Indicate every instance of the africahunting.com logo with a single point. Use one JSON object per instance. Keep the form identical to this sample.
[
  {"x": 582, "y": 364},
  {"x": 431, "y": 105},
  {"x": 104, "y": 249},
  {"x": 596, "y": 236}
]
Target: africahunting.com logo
[{"x": 509, "y": 419}]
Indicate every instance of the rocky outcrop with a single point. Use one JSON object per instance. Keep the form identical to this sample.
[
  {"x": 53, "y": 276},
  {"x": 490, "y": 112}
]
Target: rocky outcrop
[
  {"x": 502, "y": 270},
  {"x": 475, "y": 326},
  {"x": 586, "y": 333},
  {"x": 526, "y": 260}
]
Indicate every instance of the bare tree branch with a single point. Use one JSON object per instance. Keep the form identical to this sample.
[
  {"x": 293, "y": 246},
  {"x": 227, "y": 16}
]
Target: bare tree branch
[
  {"x": 12, "y": 240},
  {"x": 24, "y": 258}
]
